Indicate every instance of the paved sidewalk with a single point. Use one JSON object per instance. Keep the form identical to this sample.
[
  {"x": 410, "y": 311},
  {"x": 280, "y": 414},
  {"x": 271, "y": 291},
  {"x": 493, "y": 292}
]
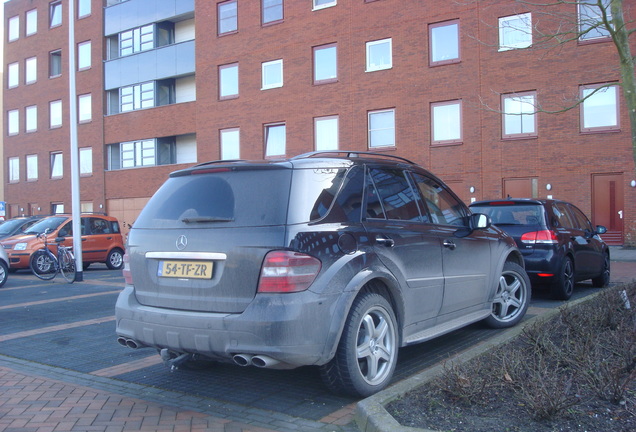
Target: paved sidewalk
[{"x": 31, "y": 400}]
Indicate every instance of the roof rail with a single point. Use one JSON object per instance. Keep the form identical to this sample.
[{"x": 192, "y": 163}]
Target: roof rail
[{"x": 351, "y": 154}]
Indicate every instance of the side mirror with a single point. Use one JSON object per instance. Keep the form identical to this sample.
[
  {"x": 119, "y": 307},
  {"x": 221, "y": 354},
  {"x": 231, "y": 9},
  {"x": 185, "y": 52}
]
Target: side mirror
[
  {"x": 479, "y": 221},
  {"x": 600, "y": 229}
]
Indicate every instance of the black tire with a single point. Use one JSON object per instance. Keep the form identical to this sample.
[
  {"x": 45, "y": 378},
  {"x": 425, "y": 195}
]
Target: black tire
[
  {"x": 43, "y": 265},
  {"x": 602, "y": 280},
  {"x": 367, "y": 353},
  {"x": 511, "y": 298},
  {"x": 67, "y": 267},
  {"x": 4, "y": 273},
  {"x": 563, "y": 286},
  {"x": 115, "y": 259}
]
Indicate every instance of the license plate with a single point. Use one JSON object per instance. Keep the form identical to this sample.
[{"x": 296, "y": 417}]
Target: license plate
[{"x": 186, "y": 269}]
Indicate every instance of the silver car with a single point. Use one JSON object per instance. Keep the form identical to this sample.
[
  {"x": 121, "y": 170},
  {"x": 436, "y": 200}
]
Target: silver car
[{"x": 332, "y": 260}]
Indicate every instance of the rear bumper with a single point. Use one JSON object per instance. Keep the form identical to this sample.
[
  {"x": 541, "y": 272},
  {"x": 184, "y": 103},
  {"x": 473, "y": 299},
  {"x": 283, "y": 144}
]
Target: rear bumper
[
  {"x": 295, "y": 329},
  {"x": 542, "y": 263}
]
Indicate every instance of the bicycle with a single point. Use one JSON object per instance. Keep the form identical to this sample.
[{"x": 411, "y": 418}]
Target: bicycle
[{"x": 46, "y": 265}]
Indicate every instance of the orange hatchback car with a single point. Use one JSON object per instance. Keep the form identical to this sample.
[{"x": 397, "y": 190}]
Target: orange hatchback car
[{"x": 101, "y": 240}]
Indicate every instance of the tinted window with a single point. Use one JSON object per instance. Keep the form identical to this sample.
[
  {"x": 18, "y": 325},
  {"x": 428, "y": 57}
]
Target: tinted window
[
  {"x": 580, "y": 219},
  {"x": 443, "y": 207},
  {"x": 512, "y": 214},
  {"x": 232, "y": 198},
  {"x": 561, "y": 214},
  {"x": 313, "y": 193},
  {"x": 394, "y": 193},
  {"x": 347, "y": 206}
]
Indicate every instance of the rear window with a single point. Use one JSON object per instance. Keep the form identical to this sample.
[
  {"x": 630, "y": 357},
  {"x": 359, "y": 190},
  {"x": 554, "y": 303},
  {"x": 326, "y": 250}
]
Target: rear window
[
  {"x": 512, "y": 214},
  {"x": 225, "y": 198}
]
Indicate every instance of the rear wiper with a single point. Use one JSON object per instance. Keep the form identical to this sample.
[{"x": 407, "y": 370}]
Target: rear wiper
[{"x": 203, "y": 219}]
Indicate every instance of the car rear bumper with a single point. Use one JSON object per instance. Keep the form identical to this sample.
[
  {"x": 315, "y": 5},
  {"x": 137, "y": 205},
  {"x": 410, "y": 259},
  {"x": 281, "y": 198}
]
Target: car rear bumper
[{"x": 294, "y": 329}]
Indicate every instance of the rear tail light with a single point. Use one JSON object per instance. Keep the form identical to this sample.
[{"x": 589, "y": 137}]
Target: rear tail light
[
  {"x": 286, "y": 271},
  {"x": 126, "y": 270},
  {"x": 540, "y": 237}
]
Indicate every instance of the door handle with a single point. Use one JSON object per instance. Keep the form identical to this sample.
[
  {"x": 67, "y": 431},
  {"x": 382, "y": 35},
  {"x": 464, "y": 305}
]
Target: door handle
[
  {"x": 449, "y": 244},
  {"x": 385, "y": 241}
]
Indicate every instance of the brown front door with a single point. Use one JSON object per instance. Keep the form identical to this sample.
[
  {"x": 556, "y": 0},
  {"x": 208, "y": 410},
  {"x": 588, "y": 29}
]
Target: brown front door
[{"x": 607, "y": 205}]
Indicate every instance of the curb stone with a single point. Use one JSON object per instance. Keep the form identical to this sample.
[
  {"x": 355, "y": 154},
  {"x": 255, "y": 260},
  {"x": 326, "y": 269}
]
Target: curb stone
[{"x": 371, "y": 414}]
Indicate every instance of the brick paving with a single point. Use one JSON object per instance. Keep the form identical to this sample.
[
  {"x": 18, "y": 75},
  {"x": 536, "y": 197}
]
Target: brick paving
[{"x": 32, "y": 401}]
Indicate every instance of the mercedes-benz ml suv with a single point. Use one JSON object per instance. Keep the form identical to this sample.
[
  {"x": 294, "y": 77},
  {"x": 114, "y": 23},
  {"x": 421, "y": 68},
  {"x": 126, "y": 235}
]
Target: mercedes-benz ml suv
[{"x": 327, "y": 259}]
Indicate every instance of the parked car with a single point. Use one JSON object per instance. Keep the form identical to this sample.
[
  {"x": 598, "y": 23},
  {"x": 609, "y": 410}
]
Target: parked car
[
  {"x": 101, "y": 240},
  {"x": 332, "y": 260},
  {"x": 17, "y": 225},
  {"x": 4, "y": 267},
  {"x": 558, "y": 242}
]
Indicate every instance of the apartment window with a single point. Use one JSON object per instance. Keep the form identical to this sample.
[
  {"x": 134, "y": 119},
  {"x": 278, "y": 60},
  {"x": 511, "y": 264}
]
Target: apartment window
[
  {"x": 321, "y": 4},
  {"x": 31, "y": 114},
  {"x": 14, "y": 170},
  {"x": 446, "y": 119},
  {"x": 519, "y": 117},
  {"x": 275, "y": 140},
  {"x": 272, "y": 11},
  {"x": 227, "y": 17},
  {"x": 13, "y": 75},
  {"x": 599, "y": 111},
  {"x": 31, "y": 22},
  {"x": 14, "y": 29},
  {"x": 379, "y": 55},
  {"x": 31, "y": 167},
  {"x": 57, "y": 165},
  {"x": 515, "y": 32},
  {"x": 31, "y": 70},
  {"x": 228, "y": 81},
  {"x": 326, "y": 133},
  {"x": 84, "y": 108},
  {"x": 230, "y": 144},
  {"x": 13, "y": 120},
  {"x": 325, "y": 64},
  {"x": 55, "y": 13},
  {"x": 272, "y": 74},
  {"x": 590, "y": 17},
  {"x": 86, "y": 161},
  {"x": 444, "y": 42},
  {"x": 84, "y": 55},
  {"x": 55, "y": 114},
  {"x": 83, "y": 8},
  {"x": 149, "y": 152},
  {"x": 137, "y": 40},
  {"x": 55, "y": 63},
  {"x": 137, "y": 97},
  {"x": 381, "y": 128}
]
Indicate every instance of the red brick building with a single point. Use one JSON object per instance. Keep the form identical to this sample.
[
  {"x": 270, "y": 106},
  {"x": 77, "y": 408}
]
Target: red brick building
[{"x": 454, "y": 88}]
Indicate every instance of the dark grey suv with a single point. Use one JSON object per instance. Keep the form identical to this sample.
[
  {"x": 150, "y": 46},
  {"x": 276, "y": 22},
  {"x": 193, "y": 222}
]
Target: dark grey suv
[{"x": 334, "y": 260}]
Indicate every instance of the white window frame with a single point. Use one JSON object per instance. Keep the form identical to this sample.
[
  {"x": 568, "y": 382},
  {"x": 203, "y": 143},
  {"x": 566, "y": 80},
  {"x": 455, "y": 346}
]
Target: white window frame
[
  {"x": 13, "y": 122},
  {"x": 446, "y": 122},
  {"x": 137, "y": 40},
  {"x": 84, "y": 53},
  {"x": 140, "y": 153},
  {"x": 31, "y": 167},
  {"x": 326, "y": 133},
  {"x": 137, "y": 97},
  {"x": 55, "y": 114},
  {"x": 31, "y": 118},
  {"x": 13, "y": 75},
  {"x": 230, "y": 143},
  {"x": 83, "y": 8},
  {"x": 270, "y": 74},
  {"x": 273, "y": 147},
  {"x": 602, "y": 105},
  {"x": 380, "y": 135},
  {"x": 31, "y": 70},
  {"x": 322, "y": 4},
  {"x": 86, "y": 161},
  {"x": 372, "y": 46},
  {"x": 84, "y": 108},
  {"x": 436, "y": 58},
  {"x": 57, "y": 165},
  {"x": 229, "y": 81},
  {"x": 13, "y": 31},
  {"x": 515, "y": 32},
  {"x": 14, "y": 170},
  {"x": 31, "y": 18},
  {"x": 519, "y": 118}
]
